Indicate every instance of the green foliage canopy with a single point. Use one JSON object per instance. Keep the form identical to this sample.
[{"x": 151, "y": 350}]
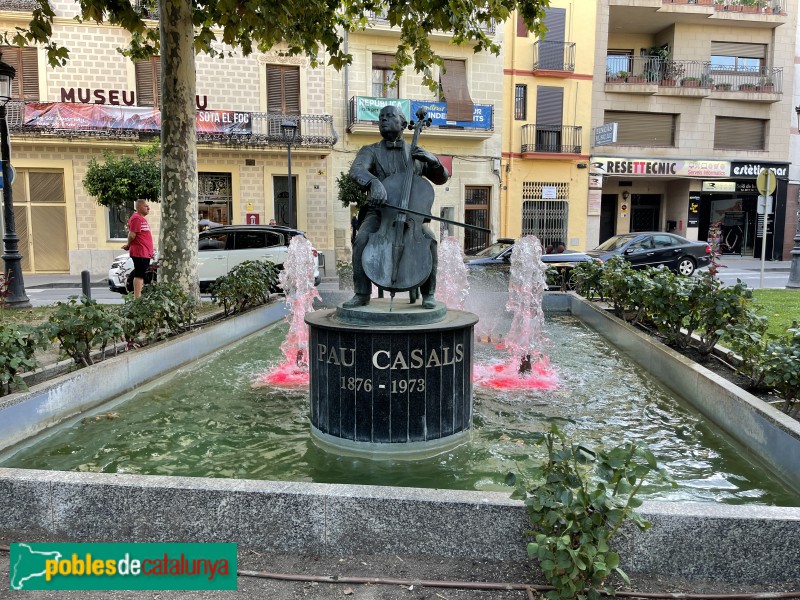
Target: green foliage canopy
[
  {"x": 121, "y": 179},
  {"x": 315, "y": 28}
]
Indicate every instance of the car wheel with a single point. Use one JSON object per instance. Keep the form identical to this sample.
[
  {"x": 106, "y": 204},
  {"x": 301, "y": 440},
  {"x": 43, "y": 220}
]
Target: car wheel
[{"x": 686, "y": 266}]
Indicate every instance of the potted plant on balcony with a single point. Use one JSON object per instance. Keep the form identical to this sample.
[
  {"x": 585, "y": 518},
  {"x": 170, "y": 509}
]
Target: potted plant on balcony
[
  {"x": 706, "y": 80},
  {"x": 673, "y": 71},
  {"x": 765, "y": 85},
  {"x": 690, "y": 82},
  {"x": 637, "y": 78},
  {"x": 614, "y": 77},
  {"x": 747, "y": 87},
  {"x": 723, "y": 87}
]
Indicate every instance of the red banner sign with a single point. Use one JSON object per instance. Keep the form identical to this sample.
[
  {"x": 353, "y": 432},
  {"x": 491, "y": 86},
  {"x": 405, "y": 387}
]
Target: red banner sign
[{"x": 87, "y": 117}]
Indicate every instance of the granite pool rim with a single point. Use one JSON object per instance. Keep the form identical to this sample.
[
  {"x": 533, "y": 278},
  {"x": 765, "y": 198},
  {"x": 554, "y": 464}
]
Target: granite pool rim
[{"x": 693, "y": 540}]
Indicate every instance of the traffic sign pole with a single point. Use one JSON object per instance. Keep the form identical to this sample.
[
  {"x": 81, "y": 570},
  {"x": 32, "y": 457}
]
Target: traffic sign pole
[{"x": 768, "y": 185}]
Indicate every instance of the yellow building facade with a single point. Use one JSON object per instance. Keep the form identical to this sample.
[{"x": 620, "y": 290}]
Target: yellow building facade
[{"x": 547, "y": 92}]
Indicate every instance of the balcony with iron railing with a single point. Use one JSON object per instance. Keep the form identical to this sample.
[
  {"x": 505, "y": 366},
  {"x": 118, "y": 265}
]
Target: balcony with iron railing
[
  {"x": 363, "y": 112},
  {"x": 764, "y": 7},
  {"x": 653, "y": 75},
  {"x": 263, "y": 129},
  {"x": 382, "y": 18},
  {"x": 551, "y": 139},
  {"x": 553, "y": 58}
]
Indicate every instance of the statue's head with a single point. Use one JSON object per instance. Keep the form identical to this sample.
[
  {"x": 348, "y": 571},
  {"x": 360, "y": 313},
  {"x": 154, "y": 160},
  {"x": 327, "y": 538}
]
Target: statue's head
[{"x": 392, "y": 122}]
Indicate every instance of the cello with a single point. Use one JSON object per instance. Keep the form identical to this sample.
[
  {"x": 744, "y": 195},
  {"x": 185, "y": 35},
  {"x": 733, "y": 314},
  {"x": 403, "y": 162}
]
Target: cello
[{"x": 397, "y": 257}]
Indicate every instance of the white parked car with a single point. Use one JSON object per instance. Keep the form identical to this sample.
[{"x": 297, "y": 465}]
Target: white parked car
[
  {"x": 222, "y": 248},
  {"x": 120, "y": 270}
]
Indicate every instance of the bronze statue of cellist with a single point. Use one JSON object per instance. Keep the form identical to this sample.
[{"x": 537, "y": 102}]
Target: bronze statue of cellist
[{"x": 374, "y": 164}]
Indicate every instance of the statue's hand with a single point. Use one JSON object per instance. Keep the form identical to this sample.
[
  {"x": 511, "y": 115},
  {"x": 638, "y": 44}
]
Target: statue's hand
[
  {"x": 423, "y": 155},
  {"x": 377, "y": 193}
]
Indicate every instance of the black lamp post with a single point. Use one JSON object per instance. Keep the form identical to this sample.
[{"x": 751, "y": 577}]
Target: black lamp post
[
  {"x": 289, "y": 130},
  {"x": 15, "y": 297}
]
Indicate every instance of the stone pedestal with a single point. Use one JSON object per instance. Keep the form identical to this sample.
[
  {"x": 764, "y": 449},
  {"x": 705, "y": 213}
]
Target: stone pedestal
[{"x": 390, "y": 383}]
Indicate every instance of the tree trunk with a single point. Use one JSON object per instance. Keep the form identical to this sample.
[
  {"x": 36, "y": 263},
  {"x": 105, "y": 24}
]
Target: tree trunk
[{"x": 178, "y": 242}]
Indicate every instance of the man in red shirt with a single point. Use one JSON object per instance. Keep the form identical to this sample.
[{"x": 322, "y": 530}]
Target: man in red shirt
[{"x": 140, "y": 244}]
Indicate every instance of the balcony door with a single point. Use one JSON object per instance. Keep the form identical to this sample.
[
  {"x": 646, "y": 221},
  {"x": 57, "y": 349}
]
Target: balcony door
[
  {"x": 549, "y": 110},
  {"x": 551, "y": 50},
  {"x": 280, "y": 195},
  {"x": 283, "y": 97}
]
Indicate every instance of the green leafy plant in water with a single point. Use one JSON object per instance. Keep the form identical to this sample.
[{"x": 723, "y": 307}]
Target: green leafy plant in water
[
  {"x": 577, "y": 500},
  {"x": 247, "y": 284},
  {"x": 81, "y": 326}
]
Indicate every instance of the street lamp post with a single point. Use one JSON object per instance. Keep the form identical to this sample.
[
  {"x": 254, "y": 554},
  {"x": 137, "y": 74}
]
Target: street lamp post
[
  {"x": 289, "y": 130},
  {"x": 15, "y": 297}
]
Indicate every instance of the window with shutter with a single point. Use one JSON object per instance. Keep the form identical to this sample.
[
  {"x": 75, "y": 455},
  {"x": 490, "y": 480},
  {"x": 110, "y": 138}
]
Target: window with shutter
[
  {"x": 453, "y": 83},
  {"x": 740, "y": 134},
  {"x": 643, "y": 129},
  {"x": 283, "y": 89},
  {"x": 148, "y": 82},
  {"x": 25, "y": 61}
]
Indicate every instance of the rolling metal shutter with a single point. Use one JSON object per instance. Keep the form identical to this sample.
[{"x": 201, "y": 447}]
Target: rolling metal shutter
[
  {"x": 741, "y": 134},
  {"x": 643, "y": 129}
]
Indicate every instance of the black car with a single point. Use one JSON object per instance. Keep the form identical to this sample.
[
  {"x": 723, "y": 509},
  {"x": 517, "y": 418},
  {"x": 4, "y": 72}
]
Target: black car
[
  {"x": 497, "y": 257},
  {"x": 654, "y": 248}
]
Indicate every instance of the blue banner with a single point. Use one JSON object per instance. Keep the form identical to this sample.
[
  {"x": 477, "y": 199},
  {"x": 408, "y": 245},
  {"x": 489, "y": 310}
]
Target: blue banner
[{"x": 437, "y": 111}]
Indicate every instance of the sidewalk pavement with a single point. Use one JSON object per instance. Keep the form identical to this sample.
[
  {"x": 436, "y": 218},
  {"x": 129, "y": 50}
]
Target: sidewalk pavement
[{"x": 65, "y": 280}]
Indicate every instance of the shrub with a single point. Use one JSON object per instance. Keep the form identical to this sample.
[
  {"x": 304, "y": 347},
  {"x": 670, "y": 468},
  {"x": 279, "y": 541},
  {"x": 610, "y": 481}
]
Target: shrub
[
  {"x": 247, "y": 284},
  {"x": 587, "y": 277},
  {"x": 577, "y": 501},
  {"x": 17, "y": 346},
  {"x": 782, "y": 367},
  {"x": 747, "y": 338},
  {"x": 624, "y": 287},
  {"x": 81, "y": 325},
  {"x": 162, "y": 309}
]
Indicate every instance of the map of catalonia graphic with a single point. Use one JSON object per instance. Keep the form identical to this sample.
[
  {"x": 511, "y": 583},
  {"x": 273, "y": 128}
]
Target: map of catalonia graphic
[{"x": 29, "y": 564}]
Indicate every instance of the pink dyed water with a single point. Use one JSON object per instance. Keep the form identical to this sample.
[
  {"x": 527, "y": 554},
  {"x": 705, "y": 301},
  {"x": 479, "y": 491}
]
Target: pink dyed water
[
  {"x": 525, "y": 366},
  {"x": 297, "y": 281}
]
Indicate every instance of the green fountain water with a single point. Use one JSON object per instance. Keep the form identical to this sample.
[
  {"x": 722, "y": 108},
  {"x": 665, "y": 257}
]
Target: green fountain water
[{"x": 207, "y": 420}]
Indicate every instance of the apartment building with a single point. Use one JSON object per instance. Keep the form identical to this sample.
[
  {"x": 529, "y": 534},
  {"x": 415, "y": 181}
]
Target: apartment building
[
  {"x": 466, "y": 114},
  {"x": 62, "y": 118},
  {"x": 691, "y": 101},
  {"x": 546, "y": 136}
]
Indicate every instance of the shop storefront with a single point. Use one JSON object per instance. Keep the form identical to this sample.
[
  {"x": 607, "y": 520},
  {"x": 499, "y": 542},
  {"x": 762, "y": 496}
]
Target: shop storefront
[{"x": 688, "y": 196}]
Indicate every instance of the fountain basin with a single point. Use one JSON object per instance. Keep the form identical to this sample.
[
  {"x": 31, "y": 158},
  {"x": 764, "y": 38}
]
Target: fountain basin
[{"x": 688, "y": 539}]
